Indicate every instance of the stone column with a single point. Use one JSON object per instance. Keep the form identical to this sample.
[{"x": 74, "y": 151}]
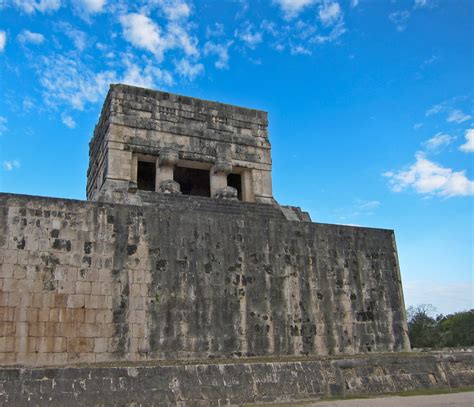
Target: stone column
[
  {"x": 164, "y": 172},
  {"x": 219, "y": 177}
]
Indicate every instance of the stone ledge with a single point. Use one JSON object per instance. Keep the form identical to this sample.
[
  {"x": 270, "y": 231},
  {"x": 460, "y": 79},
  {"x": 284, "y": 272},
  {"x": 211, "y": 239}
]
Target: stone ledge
[{"x": 241, "y": 381}]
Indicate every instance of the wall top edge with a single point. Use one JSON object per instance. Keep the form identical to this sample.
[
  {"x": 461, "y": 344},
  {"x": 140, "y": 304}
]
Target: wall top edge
[
  {"x": 245, "y": 208},
  {"x": 187, "y": 100}
]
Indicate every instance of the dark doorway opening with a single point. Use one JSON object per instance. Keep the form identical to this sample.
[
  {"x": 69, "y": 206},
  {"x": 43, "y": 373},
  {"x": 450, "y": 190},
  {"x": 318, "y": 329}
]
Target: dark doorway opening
[
  {"x": 193, "y": 181},
  {"x": 235, "y": 181},
  {"x": 146, "y": 176}
]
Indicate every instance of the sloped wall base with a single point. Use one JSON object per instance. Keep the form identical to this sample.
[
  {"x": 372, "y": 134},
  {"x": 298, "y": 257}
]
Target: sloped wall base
[{"x": 234, "y": 382}]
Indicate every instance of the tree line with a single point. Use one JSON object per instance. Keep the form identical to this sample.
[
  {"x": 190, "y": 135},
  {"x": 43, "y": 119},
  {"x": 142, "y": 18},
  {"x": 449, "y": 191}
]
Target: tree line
[{"x": 440, "y": 331}]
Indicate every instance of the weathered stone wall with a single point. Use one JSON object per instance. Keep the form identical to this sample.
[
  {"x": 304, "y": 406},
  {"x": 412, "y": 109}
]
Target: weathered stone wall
[
  {"x": 143, "y": 121},
  {"x": 189, "y": 277},
  {"x": 234, "y": 383}
]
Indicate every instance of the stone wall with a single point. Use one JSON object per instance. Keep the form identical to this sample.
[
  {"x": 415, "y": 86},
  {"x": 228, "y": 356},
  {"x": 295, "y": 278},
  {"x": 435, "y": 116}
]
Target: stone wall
[
  {"x": 137, "y": 122},
  {"x": 189, "y": 277},
  {"x": 234, "y": 383}
]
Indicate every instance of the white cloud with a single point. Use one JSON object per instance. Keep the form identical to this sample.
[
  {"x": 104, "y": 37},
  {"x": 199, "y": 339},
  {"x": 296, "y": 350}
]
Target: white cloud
[
  {"x": 66, "y": 80},
  {"x": 136, "y": 76},
  {"x": 11, "y": 165},
  {"x": 354, "y": 3},
  {"x": 221, "y": 51},
  {"x": 434, "y": 110},
  {"x": 417, "y": 126},
  {"x": 367, "y": 205},
  {"x": 141, "y": 31},
  {"x": 78, "y": 37},
  {"x": 217, "y": 30},
  {"x": 30, "y": 37},
  {"x": 329, "y": 12},
  {"x": 28, "y": 104},
  {"x": 146, "y": 76},
  {"x": 439, "y": 140},
  {"x": 68, "y": 121},
  {"x": 42, "y": 6},
  {"x": 174, "y": 9},
  {"x": 3, "y": 40},
  {"x": 468, "y": 146},
  {"x": 3, "y": 125},
  {"x": 400, "y": 19},
  {"x": 188, "y": 70},
  {"x": 92, "y": 6},
  {"x": 458, "y": 117},
  {"x": 249, "y": 37},
  {"x": 420, "y": 3},
  {"x": 299, "y": 50},
  {"x": 336, "y": 31},
  {"x": 291, "y": 8},
  {"x": 178, "y": 37},
  {"x": 428, "y": 61},
  {"x": 429, "y": 178}
]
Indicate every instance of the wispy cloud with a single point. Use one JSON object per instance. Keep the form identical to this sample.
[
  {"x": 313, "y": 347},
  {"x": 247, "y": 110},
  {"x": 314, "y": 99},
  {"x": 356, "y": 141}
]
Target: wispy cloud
[
  {"x": 3, "y": 125},
  {"x": 3, "y": 40},
  {"x": 417, "y": 126},
  {"x": 249, "y": 36},
  {"x": 217, "y": 30},
  {"x": 359, "y": 208},
  {"x": 367, "y": 206},
  {"x": 329, "y": 12},
  {"x": 41, "y": 6},
  {"x": 174, "y": 9},
  {"x": 429, "y": 178},
  {"x": 458, "y": 116},
  {"x": 400, "y": 19},
  {"x": 453, "y": 115},
  {"x": 142, "y": 32},
  {"x": 434, "y": 110},
  {"x": 30, "y": 37},
  {"x": 291, "y": 8},
  {"x": 221, "y": 50},
  {"x": 28, "y": 104},
  {"x": 299, "y": 50},
  {"x": 68, "y": 81},
  {"x": 429, "y": 61},
  {"x": 91, "y": 6},
  {"x": 468, "y": 146},
  {"x": 421, "y": 3},
  {"x": 438, "y": 141},
  {"x": 188, "y": 69},
  {"x": 68, "y": 121},
  {"x": 11, "y": 165}
]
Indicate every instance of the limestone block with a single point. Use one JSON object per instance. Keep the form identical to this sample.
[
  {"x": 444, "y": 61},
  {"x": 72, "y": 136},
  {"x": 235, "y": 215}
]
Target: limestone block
[
  {"x": 169, "y": 186},
  {"x": 228, "y": 193}
]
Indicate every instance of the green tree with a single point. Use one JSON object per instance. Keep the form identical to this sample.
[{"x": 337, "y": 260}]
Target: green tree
[
  {"x": 457, "y": 329},
  {"x": 422, "y": 328},
  {"x": 429, "y": 331}
]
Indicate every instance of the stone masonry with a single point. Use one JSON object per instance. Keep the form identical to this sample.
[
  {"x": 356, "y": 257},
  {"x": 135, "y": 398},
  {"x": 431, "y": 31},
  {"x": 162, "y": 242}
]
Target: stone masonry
[
  {"x": 235, "y": 382},
  {"x": 181, "y": 255},
  {"x": 189, "y": 277},
  {"x": 168, "y": 131}
]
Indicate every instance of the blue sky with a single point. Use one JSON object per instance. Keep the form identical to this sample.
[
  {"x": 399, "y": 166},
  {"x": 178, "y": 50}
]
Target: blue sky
[{"x": 370, "y": 106}]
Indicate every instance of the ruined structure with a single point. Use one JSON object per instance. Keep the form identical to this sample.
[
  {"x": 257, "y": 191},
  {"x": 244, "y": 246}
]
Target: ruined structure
[
  {"x": 182, "y": 253},
  {"x": 156, "y": 141}
]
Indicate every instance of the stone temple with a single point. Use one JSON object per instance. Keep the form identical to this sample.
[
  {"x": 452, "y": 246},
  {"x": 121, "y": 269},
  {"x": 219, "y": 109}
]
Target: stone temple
[{"x": 182, "y": 281}]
